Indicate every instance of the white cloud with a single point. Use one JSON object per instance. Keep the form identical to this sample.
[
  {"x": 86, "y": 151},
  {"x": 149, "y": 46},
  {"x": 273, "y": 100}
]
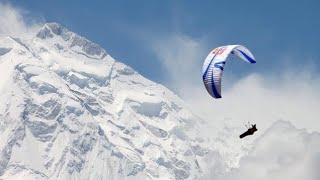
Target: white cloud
[
  {"x": 14, "y": 22},
  {"x": 261, "y": 99},
  {"x": 281, "y": 153}
]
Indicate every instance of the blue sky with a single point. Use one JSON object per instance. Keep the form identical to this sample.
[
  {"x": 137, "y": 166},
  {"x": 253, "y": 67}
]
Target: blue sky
[{"x": 280, "y": 34}]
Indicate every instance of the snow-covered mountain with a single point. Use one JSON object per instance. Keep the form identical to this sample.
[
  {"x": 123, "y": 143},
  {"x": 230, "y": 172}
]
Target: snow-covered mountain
[{"x": 70, "y": 111}]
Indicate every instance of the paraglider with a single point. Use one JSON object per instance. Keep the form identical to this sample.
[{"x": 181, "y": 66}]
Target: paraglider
[
  {"x": 213, "y": 66},
  {"x": 250, "y": 131}
]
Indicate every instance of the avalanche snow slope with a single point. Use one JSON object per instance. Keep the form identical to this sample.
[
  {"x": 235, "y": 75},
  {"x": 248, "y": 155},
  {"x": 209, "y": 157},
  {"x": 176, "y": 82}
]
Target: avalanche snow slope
[{"x": 70, "y": 111}]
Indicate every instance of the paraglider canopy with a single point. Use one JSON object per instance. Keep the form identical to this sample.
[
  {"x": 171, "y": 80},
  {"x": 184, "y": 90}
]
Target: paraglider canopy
[{"x": 213, "y": 66}]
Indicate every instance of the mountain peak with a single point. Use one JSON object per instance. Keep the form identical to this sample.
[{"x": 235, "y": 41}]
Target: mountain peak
[
  {"x": 73, "y": 40},
  {"x": 51, "y": 29}
]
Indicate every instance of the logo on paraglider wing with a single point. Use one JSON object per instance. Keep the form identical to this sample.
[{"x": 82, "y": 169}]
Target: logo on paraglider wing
[
  {"x": 222, "y": 50},
  {"x": 219, "y": 51},
  {"x": 215, "y": 50}
]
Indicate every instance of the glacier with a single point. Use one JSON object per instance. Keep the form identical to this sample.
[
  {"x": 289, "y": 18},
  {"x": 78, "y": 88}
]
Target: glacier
[{"x": 71, "y": 111}]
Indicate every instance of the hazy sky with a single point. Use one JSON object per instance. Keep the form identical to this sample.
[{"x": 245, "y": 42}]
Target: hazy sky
[{"x": 280, "y": 34}]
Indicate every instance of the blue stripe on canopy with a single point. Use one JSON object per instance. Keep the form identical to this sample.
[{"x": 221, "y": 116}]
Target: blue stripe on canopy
[
  {"x": 220, "y": 65},
  {"x": 247, "y": 57}
]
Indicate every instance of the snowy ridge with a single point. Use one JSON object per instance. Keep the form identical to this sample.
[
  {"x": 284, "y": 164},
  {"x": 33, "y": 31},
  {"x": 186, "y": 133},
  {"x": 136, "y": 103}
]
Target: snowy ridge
[
  {"x": 75, "y": 42},
  {"x": 70, "y": 111}
]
